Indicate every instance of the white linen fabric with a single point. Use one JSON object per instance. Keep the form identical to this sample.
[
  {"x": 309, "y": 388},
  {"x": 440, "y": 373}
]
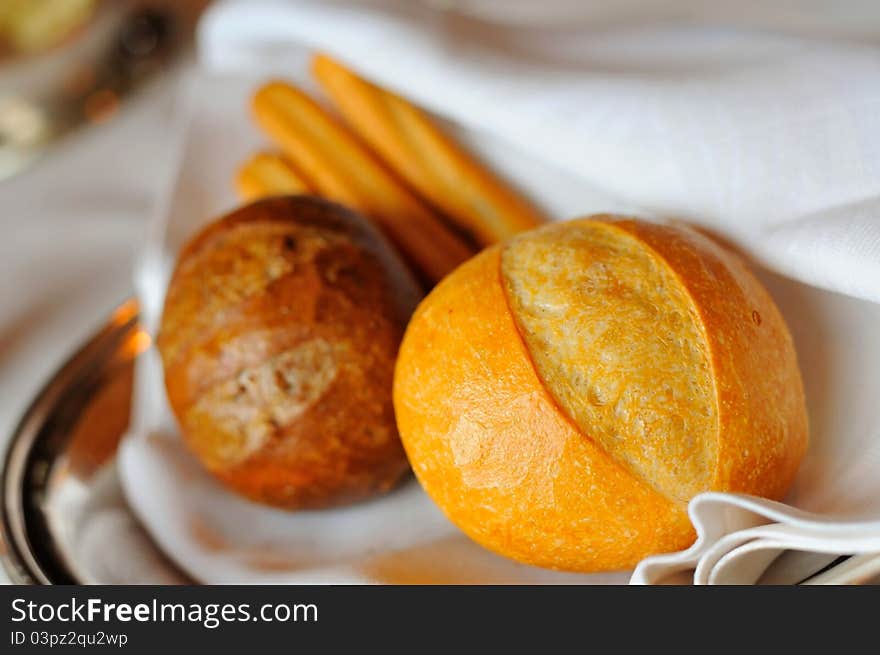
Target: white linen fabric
[
  {"x": 769, "y": 138},
  {"x": 772, "y": 139}
]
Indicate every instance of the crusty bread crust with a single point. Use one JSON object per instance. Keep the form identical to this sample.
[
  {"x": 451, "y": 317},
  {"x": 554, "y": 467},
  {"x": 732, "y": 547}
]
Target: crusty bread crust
[
  {"x": 763, "y": 431},
  {"x": 524, "y": 473},
  {"x": 279, "y": 333},
  {"x": 490, "y": 446},
  {"x": 619, "y": 345}
]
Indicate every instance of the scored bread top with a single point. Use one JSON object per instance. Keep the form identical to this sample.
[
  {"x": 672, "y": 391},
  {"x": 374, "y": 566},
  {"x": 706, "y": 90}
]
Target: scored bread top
[
  {"x": 562, "y": 395},
  {"x": 620, "y": 346},
  {"x": 664, "y": 349},
  {"x": 490, "y": 446},
  {"x": 763, "y": 428},
  {"x": 278, "y": 339},
  {"x": 234, "y": 259}
]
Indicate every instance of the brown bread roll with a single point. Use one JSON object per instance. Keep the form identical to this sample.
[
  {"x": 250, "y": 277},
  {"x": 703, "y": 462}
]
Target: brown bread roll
[
  {"x": 278, "y": 339},
  {"x": 562, "y": 396}
]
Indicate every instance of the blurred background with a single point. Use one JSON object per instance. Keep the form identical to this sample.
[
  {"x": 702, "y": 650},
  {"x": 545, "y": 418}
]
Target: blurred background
[{"x": 86, "y": 98}]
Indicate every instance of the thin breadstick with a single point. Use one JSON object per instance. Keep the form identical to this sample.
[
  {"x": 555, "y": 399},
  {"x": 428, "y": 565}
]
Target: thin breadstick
[
  {"x": 267, "y": 174},
  {"x": 341, "y": 168},
  {"x": 426, "y": 158}
]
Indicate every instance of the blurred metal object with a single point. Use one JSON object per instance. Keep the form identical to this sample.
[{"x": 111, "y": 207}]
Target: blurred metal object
[
  {"x": 59, "y": 475},
  {"x": 82, "y": 81}
]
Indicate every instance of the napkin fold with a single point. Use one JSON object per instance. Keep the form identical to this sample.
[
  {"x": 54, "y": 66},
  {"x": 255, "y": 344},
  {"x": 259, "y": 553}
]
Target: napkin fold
[
  {"x": 769, "y": 139},
  {"x": 745, "y": 540}
]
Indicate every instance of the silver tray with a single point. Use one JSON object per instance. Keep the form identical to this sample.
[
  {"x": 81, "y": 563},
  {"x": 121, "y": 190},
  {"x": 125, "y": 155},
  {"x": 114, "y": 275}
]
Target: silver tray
[
  {"x": 59, "y": 471},
  {"x": 59, "y": 474}
]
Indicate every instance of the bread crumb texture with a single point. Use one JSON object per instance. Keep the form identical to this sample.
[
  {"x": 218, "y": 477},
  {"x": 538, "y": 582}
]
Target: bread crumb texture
[
  {"x": 490, "y": 446},
  {"x": 619, "y": 345},
  {"x": 278, "y": 338},
  {"x": 562, "y": 396}
]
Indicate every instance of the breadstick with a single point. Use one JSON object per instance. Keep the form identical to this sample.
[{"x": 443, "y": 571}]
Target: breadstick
[
  {"x": 424, "y": 157},
  {"x": 267, "y": 174},
  {"x": 342, "y": 169}
]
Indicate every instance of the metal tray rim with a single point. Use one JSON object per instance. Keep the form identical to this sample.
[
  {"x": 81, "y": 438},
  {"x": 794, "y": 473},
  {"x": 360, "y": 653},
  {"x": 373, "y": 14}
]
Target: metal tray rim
[{"x": 27, "y": 550}]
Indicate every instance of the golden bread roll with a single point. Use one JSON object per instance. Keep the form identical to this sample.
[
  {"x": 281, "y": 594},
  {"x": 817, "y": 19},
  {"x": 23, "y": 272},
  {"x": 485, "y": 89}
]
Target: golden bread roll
[
  {"x": 563, "y": 395},
  {"x": 278, "y": 338}
]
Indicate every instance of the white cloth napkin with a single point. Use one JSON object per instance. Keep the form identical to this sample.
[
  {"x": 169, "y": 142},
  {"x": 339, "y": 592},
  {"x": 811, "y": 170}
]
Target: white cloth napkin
[{"x": 772, "y": 140}]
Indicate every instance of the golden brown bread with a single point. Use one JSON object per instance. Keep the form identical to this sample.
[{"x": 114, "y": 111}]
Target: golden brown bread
[
  {"x": 339, "y": 166},
  {"x": 268, "y": 174},
  {"x": 278, "y": 338},
  {"x": 593, "y": 377},
  {"x": 426, "y": 158}
]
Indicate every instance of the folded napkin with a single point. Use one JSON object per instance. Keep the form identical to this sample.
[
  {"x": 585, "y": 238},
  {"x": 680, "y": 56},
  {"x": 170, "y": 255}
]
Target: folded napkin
[
  {"x": 769, "y": 139},
  {"x": 743, "y": 540}
]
